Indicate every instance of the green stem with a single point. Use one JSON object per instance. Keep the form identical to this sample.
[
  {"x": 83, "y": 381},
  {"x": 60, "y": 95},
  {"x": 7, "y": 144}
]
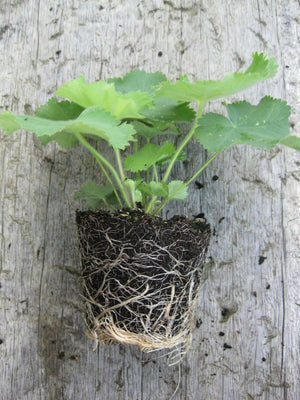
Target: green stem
[
  {"x": 119, "y": 162},
  {"x": 133, "y": 199},
  {"x": 110, "y": 181},
  {"x": 98, "y": 156},
  {"x": 176, "y": 154},
  {"x": 122, "y": 175},
  {"x": 184, "y": 143},
  {"x": 201, "y": 169},
  {"x": 150, "y": 205},
  {"x": 136, "y": 148},
  {"x": 155, "y": 172},
  {"x": 185, "y": 184},
  {"x": 108, "y": 205}
]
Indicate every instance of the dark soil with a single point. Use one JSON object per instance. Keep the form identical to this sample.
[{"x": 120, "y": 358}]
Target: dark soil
[{"x": 141, "y": 276}]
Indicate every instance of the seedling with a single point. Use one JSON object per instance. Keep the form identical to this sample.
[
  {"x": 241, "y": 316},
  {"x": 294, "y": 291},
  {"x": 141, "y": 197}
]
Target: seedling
[
  {"x": 141, "y": 274},
  {"x": 130, "y": 112}
]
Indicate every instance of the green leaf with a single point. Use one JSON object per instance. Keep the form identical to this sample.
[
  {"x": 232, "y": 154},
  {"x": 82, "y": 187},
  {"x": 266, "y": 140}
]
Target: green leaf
[
  {"x": 138, "y": 196},
  {"x": 121, "y": 106},
  {"x": 157, "y": 128},
  {"x": 132, "y": 185},
  {"x": 169, "y": 110},
  {"x": 261, "y": 68},
  {"x": 98, "y": 122},
  {"x": 263, "y": 125},
  {"x": 153, "y": 188},
  {"x": 63, "y": 139},
  {"x": 93, "y": 121},
  {"x": 148, "y": 156},
  {"x": 215, "y": 132},
  {"x": 174, "y": 192},
  {"x": 93, "y": 194},
  {"x": 138, "y": 80},
  {"x": 8, "y": 122},
  {"x": 59, "y": 110},
  {"x": 291, "y": 141},
  {"x": 158, "y": 188},
  {"x": 38, "y": 125},
  {"x": 145, "y": 189}
]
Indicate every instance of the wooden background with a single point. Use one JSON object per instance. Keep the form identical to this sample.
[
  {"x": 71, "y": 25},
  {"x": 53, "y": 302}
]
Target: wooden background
[{"x": 246, "y": 344}]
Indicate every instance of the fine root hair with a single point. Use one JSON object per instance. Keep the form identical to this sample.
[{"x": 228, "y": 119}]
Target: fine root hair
[{"x": 141, "y": 277}]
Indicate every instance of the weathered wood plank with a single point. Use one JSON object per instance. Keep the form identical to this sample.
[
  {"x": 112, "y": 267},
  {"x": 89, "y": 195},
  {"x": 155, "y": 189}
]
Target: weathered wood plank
[{"x": 247, "y": 345}]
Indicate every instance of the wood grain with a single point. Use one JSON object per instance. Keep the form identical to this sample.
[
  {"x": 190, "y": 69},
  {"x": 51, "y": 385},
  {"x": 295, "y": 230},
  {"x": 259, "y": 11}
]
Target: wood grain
[{"x": 246, "y": 345}]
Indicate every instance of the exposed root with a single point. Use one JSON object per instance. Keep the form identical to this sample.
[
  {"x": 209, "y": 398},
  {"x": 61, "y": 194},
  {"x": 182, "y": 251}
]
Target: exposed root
[{"x": 141, "y": 277}]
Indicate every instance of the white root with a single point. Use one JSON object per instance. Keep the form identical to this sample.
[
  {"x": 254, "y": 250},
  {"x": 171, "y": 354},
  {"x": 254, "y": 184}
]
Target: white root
[{"x": 141, "y": 281}]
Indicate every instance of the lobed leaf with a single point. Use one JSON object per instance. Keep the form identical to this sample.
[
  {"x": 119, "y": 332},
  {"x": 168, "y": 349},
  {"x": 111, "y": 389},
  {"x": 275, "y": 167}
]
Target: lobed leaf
[
  {"x": 103, "y": 94},
  {"x": 8, "y": 122},
  {"x": 150, "y": 131},
  {"x": 148, "y": 156},
  {"x": 93, "y": 121},
  {"x": 169, "y": 110},
  {"x": 118, "y": 135},
  {"x": 59, "y": 110},
  {"x": 159, "y": 189},
  {"x": 138, "y": 80},
  {"x": 38, "y": 125},
  {"x": 263, "y": 125},
  {"x": 63, "y": 139},
  {"x": 260, "y": 69}
]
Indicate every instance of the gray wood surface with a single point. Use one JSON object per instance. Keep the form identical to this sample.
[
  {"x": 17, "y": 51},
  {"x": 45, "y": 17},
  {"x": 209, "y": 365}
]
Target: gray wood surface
[{"x": 247, "y": 346}]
